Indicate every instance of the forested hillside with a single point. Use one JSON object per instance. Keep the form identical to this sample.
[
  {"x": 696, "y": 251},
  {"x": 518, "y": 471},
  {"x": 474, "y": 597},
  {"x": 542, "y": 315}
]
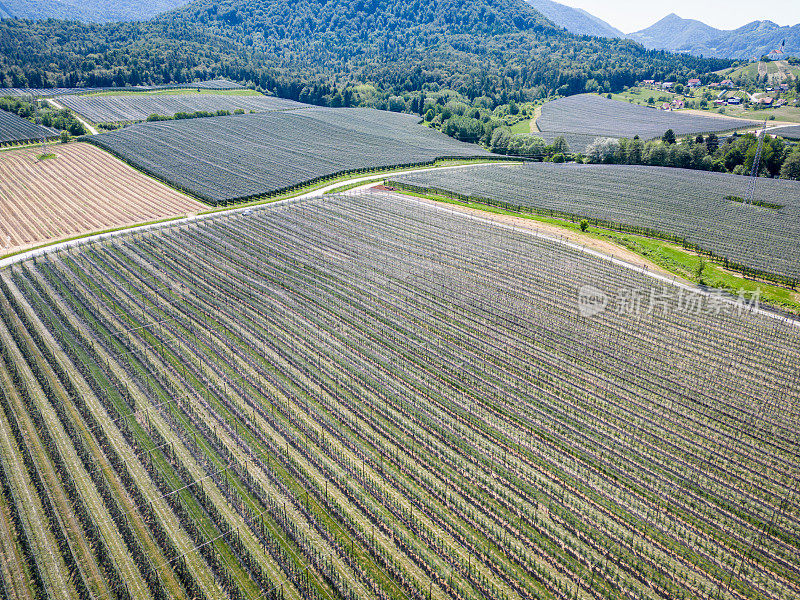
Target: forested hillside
[
  {"x": 319, "y": 50},
  {"x": 575, "y": 20},
  {"x": 95, "y": 11}
]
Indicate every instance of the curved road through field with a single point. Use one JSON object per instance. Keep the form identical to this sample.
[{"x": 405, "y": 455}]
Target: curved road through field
[{"x": 60, "y": 106}]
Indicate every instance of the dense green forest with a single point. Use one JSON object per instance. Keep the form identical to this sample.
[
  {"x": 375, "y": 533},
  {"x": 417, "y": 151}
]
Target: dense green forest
[{"x": 323, "y": 52}]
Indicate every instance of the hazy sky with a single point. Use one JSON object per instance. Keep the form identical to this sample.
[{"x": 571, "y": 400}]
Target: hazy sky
[{"x": 632, "y": 15}]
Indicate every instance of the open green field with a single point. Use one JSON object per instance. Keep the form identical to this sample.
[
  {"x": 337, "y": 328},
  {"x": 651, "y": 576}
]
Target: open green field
[
  {"x": 751, "y": 70},
  {"x": 523, "y": 126},
  {"x": 790, "y": 114},
  {"x": 176, "y": 92},
  {"x": 371, "y": 398},
  {"x": 642, "y": 95}
]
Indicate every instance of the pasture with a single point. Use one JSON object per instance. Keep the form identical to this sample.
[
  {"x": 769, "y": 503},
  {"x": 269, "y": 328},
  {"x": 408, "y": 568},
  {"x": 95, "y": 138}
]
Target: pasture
[
  {"x": 81, "y": 189},
  {"x": 225, "y": 159},
  {"x": 139, "y": 106},
  {"x": 590, "y": 114},
  {"x": 675, "y": 204},
  {"x": 355, "y": 397}
]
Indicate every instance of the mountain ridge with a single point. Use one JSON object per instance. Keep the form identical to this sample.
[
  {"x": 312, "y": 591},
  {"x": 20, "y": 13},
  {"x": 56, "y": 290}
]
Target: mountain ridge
[
  {"x": 575, "y": 20},
  {"x": 318, "y": 49},
  {"x": 752, "y": 40}
]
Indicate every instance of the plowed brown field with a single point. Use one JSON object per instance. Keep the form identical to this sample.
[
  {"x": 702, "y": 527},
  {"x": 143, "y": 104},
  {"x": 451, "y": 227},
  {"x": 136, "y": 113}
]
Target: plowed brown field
[{"x": 82, "y": 189}]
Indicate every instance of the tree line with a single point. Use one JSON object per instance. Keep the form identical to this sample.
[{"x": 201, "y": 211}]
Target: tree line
[{"x": 735, "y": 154}]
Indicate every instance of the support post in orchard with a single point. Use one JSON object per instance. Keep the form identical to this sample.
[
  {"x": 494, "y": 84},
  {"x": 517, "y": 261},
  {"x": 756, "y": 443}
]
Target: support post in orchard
[{"x": 756, "y": 164}]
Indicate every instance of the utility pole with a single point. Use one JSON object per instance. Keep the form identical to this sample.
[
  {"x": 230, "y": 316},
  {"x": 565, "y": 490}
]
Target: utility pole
[
  {"x": 756, "y": 165},
  {"x": 38, "y": 119}
]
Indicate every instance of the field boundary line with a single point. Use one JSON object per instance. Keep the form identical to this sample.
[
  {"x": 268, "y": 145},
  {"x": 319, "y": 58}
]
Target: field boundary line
[
  {"x": 369, "y": 179},
  {"x": 178, "y": 221}
]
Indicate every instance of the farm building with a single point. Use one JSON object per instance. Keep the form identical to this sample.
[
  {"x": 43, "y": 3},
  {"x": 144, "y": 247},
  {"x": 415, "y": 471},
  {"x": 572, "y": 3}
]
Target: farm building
[{"x": 693, "y": 83}]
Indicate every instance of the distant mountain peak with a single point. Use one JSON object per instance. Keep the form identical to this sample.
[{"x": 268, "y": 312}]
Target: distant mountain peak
[{"x": 757, "y": 38}]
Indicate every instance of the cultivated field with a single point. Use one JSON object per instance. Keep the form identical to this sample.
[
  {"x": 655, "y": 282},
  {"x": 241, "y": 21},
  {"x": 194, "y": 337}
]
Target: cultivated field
[
  {"x": 137, "y": 107},
  {"x": 81, "y": 189},
  {"x": 791, "y": 132},
  {"x": 363, "y": 398},
  {"x": 223, "y": 159},
  {"x": 683, "y": 204},
  {"x": 592, "y": 115},
  {"x": 14, "y": 129}
]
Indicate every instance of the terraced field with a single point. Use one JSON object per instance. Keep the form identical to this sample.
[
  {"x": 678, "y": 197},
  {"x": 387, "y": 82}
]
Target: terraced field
[
  {"x": 116, "y": 109},
  {"x": 689, "y": 207},
  {"x": 81, "y": 189},
  {"x": 15, "y": 129},
  {"x": 363, "y": 398},
  {"x": 589, "y": 114},
  {"x": 224, "y": 159}
]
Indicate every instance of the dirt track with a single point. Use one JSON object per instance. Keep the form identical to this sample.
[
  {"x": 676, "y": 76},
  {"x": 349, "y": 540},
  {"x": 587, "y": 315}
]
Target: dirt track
[{"x": 603, "y": 246}]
